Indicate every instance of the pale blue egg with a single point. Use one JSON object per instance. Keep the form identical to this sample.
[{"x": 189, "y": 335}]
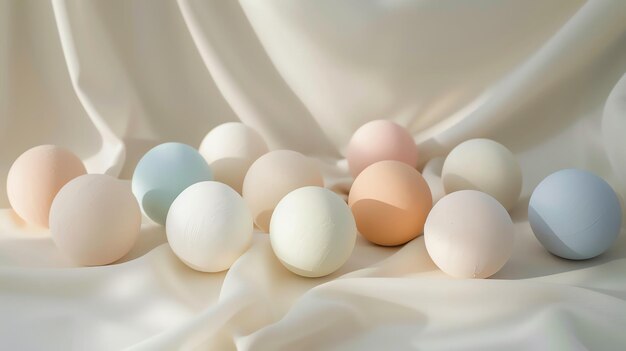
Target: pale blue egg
[
  {"x": 163, "y": 173},
  {"x": 575, "y": 214}
]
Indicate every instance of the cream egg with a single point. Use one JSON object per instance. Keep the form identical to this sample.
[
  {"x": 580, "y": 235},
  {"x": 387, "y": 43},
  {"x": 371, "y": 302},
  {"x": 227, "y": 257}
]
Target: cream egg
[
  {"x": 312, "y": 231},
  {"x": 273, "y": 176},
  {"x": 469, "y": 234},
  {"x": 209, "y": 226},
  {"x": 390, "y": 201},
  {"x": 36, "y": 177},
  {"x": 380, "y": 140},
  {"x": 483, "y": 165},
  {"x": 95, "y": 219},
  {"x": 230, "y": 149}
]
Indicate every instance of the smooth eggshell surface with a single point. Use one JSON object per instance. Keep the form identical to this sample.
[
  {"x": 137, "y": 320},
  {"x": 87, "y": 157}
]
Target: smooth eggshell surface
[
  {"x": 390, "y": 201},
  {"x": 380, "y": 140},
  {"x": 273, "y": 176},
  {"x": 209, "y": 226},
  {"x": 95, "y": 219},
  {"x": 230, "y": 149},
  {"x": 469, "y": 234},
  {"x": 163, "y": 173},
  {"x": 312, "y": 231},
  {"x": 483, "y": 165},
  {"x": 36, "y": 177},
  {"x": 575, "y": 214}
]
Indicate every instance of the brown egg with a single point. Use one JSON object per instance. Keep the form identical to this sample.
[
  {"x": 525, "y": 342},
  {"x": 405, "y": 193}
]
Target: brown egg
[
  {"x": 36, "y": 177},
  {"x": 390, "y": 201}
]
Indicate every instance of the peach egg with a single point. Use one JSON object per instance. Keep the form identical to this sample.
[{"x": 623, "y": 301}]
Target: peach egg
[
  {"x": 273, "y": 176},
  {"x": 390, "y": 201},
  {"x": 36, "y": 177}
]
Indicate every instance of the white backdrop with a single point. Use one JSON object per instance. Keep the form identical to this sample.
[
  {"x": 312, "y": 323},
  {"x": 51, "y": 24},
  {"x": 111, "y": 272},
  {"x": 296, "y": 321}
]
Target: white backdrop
[{"x": 110, "y": 79}]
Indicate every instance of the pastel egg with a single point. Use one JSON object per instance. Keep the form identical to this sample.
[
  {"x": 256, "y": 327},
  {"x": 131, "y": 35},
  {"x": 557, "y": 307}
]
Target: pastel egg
[
  {"x": 575, "y": 214},
  {"x": 95, "y": 219},
  {"x": 390, "y": 201},
  {"x": 209, "y": 226},
  {"x": 483, "y": 165},
  {"x": 273, "y": 176},
  {"x": 469, "y": 234},
  {"x": 230, "y": 149},
  {"x": 380, "y": 140},
  {"x": 312, "y": 231},
  {"x": 36, "y": 177},
  {"x": 163, "y": 173}
]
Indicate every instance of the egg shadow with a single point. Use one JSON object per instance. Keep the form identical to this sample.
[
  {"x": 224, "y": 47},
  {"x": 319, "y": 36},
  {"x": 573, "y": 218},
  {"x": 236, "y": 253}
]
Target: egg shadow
[
  {"x": 16, "y": 220},
  {"x": 231, "y": 171},
  {"x": 544, "y": 263},
  {"x": 151, "y": 236},
  {"x": 464, "y": 183},
  {"x": 369, "y": 211},
  {"x": 552, "y": 239},
  {"x": 263, "y": 217},
  {"x": 519, "y": 212},
  {"x": 156, "y": 203}
]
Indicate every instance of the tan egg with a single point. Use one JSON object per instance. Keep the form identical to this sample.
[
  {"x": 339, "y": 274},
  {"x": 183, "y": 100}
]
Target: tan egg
[
  {"x": 483, "y": 165},
  {"x": 36, "y": 177},
  {"x": 274, "y": 175},
  {"x": 390, "y": 201},
  {"x": 95, "y": 219}
]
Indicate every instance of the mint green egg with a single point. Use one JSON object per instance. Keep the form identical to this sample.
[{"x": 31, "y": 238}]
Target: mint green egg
[{"x": 163, "y": 173}]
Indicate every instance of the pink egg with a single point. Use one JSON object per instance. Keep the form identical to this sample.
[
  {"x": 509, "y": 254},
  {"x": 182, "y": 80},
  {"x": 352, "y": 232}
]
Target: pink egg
[
  {"x": 36, "y": 177},
  {"x": 380, "y": 140}
]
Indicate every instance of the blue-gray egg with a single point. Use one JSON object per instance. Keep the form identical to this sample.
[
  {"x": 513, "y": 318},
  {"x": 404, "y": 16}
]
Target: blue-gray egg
[
  {"x": 575, "y": 214},
  {"x": 163, "y": 173}
]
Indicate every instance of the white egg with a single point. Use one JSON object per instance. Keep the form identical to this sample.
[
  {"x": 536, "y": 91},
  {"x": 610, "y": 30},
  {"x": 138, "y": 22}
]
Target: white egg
[
  {"x": 95, "y": 219},
  {"x": 468, "y": 234},
  {"x": 230, "y": 149},
  {"x": 483, "y": 165},
  {"x": 312, "y": 231},
  {"x": 209, "y": 226}
]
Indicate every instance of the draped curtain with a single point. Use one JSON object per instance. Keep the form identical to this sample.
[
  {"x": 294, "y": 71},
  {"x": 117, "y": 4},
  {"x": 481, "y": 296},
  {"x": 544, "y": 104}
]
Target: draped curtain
[{"x": 111, "y": 79}]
